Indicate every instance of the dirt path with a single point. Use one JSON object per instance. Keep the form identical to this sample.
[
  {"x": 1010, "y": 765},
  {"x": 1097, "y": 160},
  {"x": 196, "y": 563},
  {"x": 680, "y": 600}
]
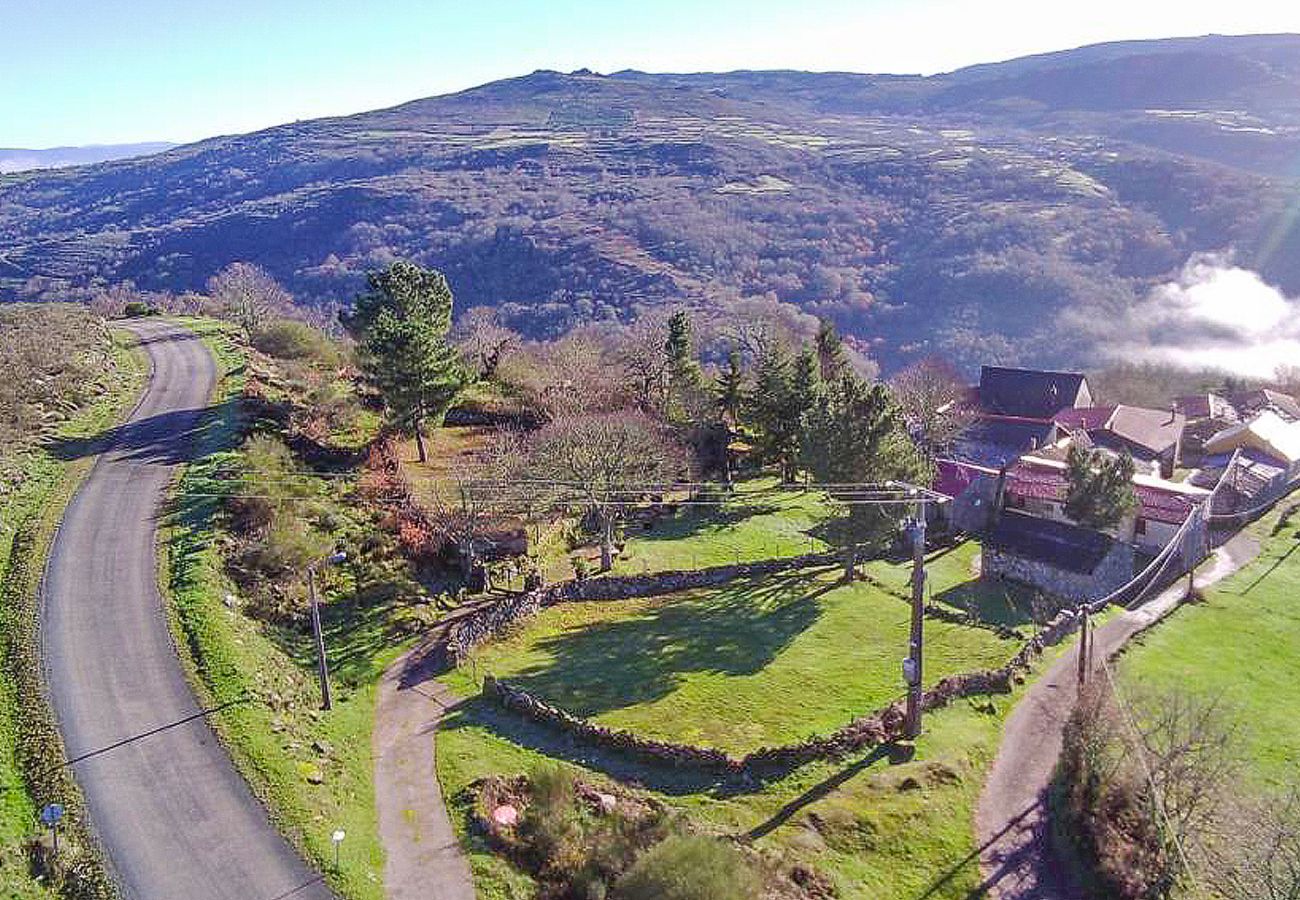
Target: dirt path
[
  {"x": 1016, "y": 858},
  {"x": 424, "y": 859}
]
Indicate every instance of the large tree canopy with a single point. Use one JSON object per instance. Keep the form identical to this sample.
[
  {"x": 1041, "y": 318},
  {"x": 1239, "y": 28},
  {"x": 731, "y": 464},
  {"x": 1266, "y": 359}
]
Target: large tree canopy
[
  {"x": 1100, "y": 492},
  {"x": 401, "y": 327}
]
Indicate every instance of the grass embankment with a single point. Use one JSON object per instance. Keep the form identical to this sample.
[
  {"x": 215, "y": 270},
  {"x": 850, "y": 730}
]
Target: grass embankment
[
  {"x": 741, "y": 666},
  {"x": 30, "y": 508},
  {"x": 313, "y": 769},
  {"x": 1240, "y": 645}
]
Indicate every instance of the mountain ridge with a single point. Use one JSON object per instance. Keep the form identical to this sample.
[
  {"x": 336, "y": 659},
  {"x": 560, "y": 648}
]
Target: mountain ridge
[{"x": 921, "y": 213}]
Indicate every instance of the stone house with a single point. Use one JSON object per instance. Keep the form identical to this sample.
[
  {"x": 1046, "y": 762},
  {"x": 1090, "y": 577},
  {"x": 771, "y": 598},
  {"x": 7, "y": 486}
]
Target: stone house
[{"x": 1070, "y": 563}]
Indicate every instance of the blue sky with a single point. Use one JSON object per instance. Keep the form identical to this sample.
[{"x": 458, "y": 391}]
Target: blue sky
[{"x": 109, "y": 71}]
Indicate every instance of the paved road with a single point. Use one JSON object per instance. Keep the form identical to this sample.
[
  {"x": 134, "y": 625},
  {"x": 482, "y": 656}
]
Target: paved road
[
  {"x": 1011, "y": 822},
  {"x": 175, "y": 817}
]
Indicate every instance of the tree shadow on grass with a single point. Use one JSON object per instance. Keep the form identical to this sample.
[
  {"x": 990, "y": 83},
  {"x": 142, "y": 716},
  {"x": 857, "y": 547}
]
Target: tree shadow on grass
[
  {"x": 734, "y": 630},
  {"x": 992, "y": 601}
]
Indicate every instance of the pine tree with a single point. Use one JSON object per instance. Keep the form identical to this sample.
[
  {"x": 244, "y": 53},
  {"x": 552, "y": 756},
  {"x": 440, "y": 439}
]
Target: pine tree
[
  {"x": 855, "y": 432},
  {"x": 731, "y": 389},
  {"x": 401, "y": 327},
  {"x": 685, "y": 378},
  {"x": 805, "y": 382},
  {"x": 772, "y": 410},
  {"x": 833, "y": 361}
]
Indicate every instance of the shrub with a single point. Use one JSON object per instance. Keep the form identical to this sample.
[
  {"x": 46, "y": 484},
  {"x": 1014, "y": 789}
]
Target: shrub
[
  {"x": 291, "y": 339},
  {"x": 138, "y": 308},
  {"x": 689, "y": 868}
]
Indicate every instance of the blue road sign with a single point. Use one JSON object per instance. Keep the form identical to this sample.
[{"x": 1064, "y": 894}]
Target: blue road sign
[{"x": 51, "y": 814}]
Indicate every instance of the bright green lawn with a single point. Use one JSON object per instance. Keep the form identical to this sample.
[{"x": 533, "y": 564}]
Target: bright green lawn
[
  {"x": 738, "y": 667},
  {"x": 1242, "y": 643},
  {"x": 882, "y": 829},
  {"x": 764, "y": 520}
]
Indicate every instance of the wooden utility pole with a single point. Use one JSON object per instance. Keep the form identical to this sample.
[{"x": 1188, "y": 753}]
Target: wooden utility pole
[
  {"x": 322, "y": 667},
  {"x": 1083, "y": 645},
  {"x": 912, "y": 665}
]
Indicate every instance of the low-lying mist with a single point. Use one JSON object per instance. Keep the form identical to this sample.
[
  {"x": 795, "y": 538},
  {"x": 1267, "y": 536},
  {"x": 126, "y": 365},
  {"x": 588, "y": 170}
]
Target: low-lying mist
[{"x": 1215, "y": 315}]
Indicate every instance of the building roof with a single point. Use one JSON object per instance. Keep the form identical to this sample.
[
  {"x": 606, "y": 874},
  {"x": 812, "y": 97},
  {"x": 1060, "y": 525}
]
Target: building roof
[
  {"x": 952, "y": 477},
  {"x": 1205, "y": 406},
  {"x": 1059, "y": 544},
  {"x": 1158, "y": 500},
  {"x": 1249, "y": 402},
  {"x": 1153, "y": 430},
  {"x": 1267, "y": 431},
  {"x": 1031, "y": 393},
  {"x": 999, "y": 440}
]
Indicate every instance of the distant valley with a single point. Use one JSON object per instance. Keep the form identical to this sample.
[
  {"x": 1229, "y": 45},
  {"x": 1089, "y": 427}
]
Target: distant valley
[
  {"x": 1018, "y": 212},
  {"x": 15, "y": 159}
]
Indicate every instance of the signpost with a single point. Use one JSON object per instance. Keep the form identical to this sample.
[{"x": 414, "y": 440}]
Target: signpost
[
  {"x": 337, "y": 837},
  {"x": 51, "y": 815}
]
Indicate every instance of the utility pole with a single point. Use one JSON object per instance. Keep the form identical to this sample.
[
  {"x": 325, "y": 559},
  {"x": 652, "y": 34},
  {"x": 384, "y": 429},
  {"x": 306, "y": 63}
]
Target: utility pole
[
  {"x": 912, "y": 665},
  {"x": 322, "y": 666},
  {"x": 1083, "y": 645}
]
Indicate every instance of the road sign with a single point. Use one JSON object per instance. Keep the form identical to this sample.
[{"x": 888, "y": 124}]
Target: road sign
[{"x": 52, "y": 814}]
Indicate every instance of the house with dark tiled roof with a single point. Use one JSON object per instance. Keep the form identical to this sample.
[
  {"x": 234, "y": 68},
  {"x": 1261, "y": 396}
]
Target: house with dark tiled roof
[
  {"x": 1152, "y": 437},
  {"x": 1070, "y": 563},
  {"x": 999, "y": 440},
  {"x": 1031, "y": 393}
]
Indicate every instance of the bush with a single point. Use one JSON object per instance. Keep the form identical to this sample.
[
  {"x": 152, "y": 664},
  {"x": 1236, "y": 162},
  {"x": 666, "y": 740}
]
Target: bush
[
  {"x": 290, "y": 339},
  {"x": 138, "y": 308},
  {"x": 689, "y": 868}
]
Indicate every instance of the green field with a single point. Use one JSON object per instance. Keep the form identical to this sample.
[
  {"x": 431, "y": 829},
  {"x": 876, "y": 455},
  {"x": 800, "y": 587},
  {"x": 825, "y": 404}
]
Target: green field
[
  {"x": 748, "y": 664},
  {"x": 764, "y": 520},
  {"x": 738, "y": 667},
  {"x": 1240, "y": 644}
]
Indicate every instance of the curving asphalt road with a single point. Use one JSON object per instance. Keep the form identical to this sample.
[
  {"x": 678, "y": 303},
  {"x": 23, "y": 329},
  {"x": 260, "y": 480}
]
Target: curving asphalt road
[{"x": 173, "y": 814}]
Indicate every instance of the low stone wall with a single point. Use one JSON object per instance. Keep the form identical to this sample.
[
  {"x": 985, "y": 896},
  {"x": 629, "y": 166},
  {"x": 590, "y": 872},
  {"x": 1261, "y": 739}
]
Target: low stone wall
[
  {"x": 880, "y": 727},
  {"x": 467, "y": 634}
]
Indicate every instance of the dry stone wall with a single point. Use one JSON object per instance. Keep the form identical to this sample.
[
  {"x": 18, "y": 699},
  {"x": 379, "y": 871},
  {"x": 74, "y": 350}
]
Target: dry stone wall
[{"x": 494, "y": 620}]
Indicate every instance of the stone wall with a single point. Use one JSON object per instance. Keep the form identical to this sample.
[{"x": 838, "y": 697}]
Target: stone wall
[
  {"x": 1112, "y": 573},
  {"x": 482, "y": 626}
]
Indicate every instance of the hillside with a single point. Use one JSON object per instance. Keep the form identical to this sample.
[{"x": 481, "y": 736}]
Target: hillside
[{"x": 1013, "y": 210}]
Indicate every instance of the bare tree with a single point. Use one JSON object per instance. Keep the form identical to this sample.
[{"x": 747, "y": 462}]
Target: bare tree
[
  {"x": 484, "y": 340},
  {"x": 608, "y": 459},
  {"x": 1256, "y": 855},
  {"x": 568, "y": 377},
  {"x": 464, "y": 507},
  {"x": 639, "y": 349},
  {"x": 934, "y": 402},
  {"x": 248, "y": 296}
]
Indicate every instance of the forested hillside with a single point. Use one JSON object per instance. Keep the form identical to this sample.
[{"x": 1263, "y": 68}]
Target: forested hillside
[{"x": 1011, "y": 211}]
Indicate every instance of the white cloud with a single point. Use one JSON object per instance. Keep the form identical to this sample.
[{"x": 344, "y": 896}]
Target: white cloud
[{"x": 1216, "y": 315}]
